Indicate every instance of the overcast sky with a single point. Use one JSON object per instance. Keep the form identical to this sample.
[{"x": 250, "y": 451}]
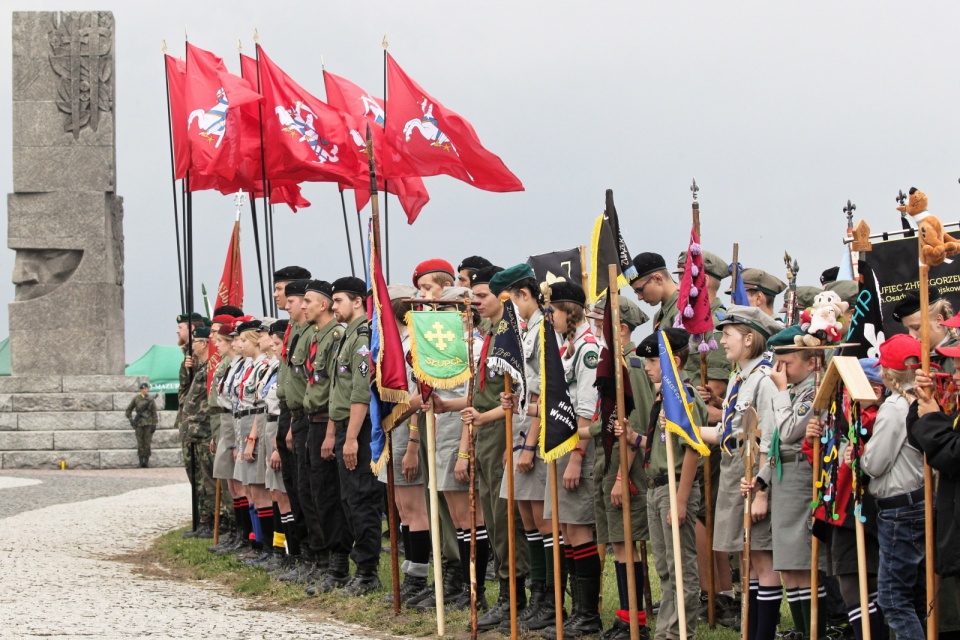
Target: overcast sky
[{"x": 782, "y": 111}]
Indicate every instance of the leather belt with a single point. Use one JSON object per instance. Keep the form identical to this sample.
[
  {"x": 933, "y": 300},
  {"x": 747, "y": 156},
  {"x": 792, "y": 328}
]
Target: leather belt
[
  {"x": 903, "y": 500},
  {"x": 222, "y": 410},
  {"x": 296, "y": 414},
  {"x": 659, "y": 481},
  {"x": 272, "y": 418},
  {"x": 249, "y": 412},
  {"x": 792, "y": 457},
  {"x": 283, "y": 405},
  {"x": 319, "y": 416}
]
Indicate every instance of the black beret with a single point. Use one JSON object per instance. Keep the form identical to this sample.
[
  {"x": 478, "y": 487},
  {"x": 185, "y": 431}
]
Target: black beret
[
  {"x": 483, "y": 275},
  {"x": 251, "y": 325},
  {"x": 279, "y": 327},
  {"x": 144, "y": 385},
  {"x": 647, "y": 263},
  {"x": 228, "y": 310},
  {"x": 288, "y": 274},
  {"x": 320, "y": 286},
  {"x": 649, "y": 347},
  {"x": 473, "y": 263},
  {"x": 296, "y": 288},
  {"x": 352, "y": 285},
  {"x": 829, "y": 275},
  {"x": 196, "y": 317},
  {"x": 911, "y": 303},
  {"x": 567, "y": 292}
]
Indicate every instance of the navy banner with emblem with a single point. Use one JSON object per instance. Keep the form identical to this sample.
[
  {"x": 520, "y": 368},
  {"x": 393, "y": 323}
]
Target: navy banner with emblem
[
  {"x": 506, "y": 352},
  {"x": 557, "y": 266},
  {"x": 558, "y": 421}
]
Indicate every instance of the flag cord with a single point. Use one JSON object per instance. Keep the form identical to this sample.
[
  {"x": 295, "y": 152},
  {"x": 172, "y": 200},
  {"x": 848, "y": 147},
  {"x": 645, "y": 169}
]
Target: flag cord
[{"x": 173, "y": 185}]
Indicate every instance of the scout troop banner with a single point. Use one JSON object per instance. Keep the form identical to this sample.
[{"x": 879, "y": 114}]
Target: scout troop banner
[
  {"x": 557, "y": 266},
  {"x": 677, "y": 404},
  {"x": 438, "y": 348},
  {"x": 558, "y": 421}
]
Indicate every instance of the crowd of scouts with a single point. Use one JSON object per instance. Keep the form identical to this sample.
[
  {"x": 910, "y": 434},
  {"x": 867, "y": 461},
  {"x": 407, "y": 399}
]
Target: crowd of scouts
[{"x": 283, "y": 422}]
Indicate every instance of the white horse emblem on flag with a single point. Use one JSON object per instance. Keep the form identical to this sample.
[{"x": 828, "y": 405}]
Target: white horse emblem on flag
[
  {"x": 213, "y": 121},
  {"x": 298, "y": 121},
  {"x": 427, "y": 126},
  {"x": 372, "y": 107}
]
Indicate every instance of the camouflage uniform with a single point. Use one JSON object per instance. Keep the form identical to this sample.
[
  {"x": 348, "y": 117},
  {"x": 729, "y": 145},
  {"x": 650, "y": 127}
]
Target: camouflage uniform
[
  {"x": 195, "y": 431},
  {"x": 142, "y": 414}
]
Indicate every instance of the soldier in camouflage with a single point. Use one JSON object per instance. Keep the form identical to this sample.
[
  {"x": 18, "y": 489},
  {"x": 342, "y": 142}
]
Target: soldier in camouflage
[
  {"x": 142, "y": 414},
  {"x": 195, "y": 429}
]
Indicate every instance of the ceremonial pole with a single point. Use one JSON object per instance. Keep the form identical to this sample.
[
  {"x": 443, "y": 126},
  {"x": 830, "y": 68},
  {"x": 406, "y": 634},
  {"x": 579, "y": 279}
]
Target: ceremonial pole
[
  {"x": 613, "y": 304},
  {"x": 472, "y": 464},
  {"x": 435, "y": 517},
  {"x": 814, "y": 540},
  {"x": 216, "y": 516},
  {"x": 675, "y": 526},
  {"x": 707, "y": 463},
  {"x": 346, "y": 230},
  {"x": 173, "y": 180},
  {"x": 750, "y": 433},
  {"x": 862, "y": 577},
  {"x": 511, "y": 504},
  {"x": 391, "y": 489}
]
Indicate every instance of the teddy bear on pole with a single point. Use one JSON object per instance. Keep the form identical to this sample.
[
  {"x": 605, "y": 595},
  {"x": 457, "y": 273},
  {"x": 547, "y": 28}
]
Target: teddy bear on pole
[{"x": 935, "y": 245}]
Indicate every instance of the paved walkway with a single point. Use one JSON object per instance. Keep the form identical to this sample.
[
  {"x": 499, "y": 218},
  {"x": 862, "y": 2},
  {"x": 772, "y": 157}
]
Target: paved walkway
[{"x": 56, "y": 580}]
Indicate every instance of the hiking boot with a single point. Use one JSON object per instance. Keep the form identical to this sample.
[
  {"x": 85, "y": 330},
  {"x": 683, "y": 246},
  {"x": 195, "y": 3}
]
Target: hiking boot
[
  {"x": 531, "y": 611},
  {"x": 274, "y": 562},
  {"x": 620, "y": 630},
  {"x": 226, "y": 542},
  {"x": 205, "y": 530},
  {"x": 546, "y": 613},
  {"x": 501, "y": 610},
  {"x": 462, "y": 602},
  {"x": 367, "y": 580},
  {"x": 336, "y": 577},
  {"x": 296, "y": 569},
  {"x": 411, "y": 586},
  {"x": 452, "y": 582},
  {"x": 260, "y": 559}
]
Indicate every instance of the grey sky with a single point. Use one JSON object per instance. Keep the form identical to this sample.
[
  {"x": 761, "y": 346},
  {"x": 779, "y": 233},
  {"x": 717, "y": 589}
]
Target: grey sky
[{"x": 782, "y": 111}]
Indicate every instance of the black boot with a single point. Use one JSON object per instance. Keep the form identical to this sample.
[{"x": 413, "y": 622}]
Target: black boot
[
  {"x": 531, "y": 611},
  {"x": 410, "y": 587},
  {"x": 227, "y": 540},
  {"x": 452, "y": 582},
  {"x": 366, "y": 580},
  {"x": 500, "y": 610},
  {"x": 547, "y": 614},
  {"x": 588, "y": 623},
  {"x": 336, "y": 577}
]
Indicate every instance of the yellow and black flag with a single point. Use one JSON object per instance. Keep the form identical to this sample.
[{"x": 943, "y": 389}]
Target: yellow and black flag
[
  {"x": 607, "y": 247},
  {"x": 558, "y": 421}
]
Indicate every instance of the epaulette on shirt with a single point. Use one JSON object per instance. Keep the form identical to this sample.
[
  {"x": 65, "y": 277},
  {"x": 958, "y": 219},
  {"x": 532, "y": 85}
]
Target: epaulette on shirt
[
  {"x": 636, "y": 361},
  {"x": 363, "y": 330}
]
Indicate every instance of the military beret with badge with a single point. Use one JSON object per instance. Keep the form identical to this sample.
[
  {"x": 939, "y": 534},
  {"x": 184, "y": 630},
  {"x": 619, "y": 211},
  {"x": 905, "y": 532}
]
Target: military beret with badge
[
  {"x": 296, "y": 288},
  {"x": 484, "y": 275},
  {"x": 434, "y": 265},
  {"x": 911, "y": 303},
  {"x": 563, "y": 291},
  {"x": 279, "y": 328},
  {"x": 473, "y": 263},
  {"x": 677, "y": 337},
  {"x": 195, "y": 317},
  {"x": 647, "y": 263},
  {"x": 350, "y": 284},
  {"x": 320, "y": 286},
  {"x": 201, "y": 333}
]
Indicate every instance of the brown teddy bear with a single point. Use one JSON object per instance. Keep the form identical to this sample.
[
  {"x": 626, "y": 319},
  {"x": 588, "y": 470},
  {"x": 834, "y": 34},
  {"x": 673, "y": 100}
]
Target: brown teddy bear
[{"x": 936, "y": 246}]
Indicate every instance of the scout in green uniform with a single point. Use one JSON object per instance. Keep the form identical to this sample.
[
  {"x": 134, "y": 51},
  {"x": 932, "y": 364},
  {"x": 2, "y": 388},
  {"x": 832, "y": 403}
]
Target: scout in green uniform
[
  {"x": 762, "y": 289},
  {"x": 320, "y": 344},
  {"x": 686, "y": 462},
  {"x": 360, "y": 492},
  {"x": 288, "y": 465},
  {"x": 608, "y": 497},
  {"x": 655, "y": 286},
  {"x": 195, "y": 425},
  {"x": 487, "y": 417},
  {"x": 142, "y": 414}
]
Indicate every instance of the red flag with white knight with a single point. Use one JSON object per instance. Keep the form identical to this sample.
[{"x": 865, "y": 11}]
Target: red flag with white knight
[
  {"x": 303, "y": 137},
  {"x": 213, "y": 129},
  {"x": 361, "y": 109},
  {"x": 430, "y": 140},
  {"x": 176, "y": 85}
]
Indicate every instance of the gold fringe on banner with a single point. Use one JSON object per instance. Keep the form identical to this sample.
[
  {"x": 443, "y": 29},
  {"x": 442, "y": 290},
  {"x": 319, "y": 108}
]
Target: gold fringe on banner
[
  {"x": 423, "y": 376},
  {"x": 570, "y": 443}
]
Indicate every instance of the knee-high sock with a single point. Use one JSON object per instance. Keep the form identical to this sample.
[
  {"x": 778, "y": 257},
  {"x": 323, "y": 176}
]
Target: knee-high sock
[
  {"x": 241, "y": 510},
  {"x": 265, "y": 516},
  {"x": 290, "y": 531},
  {"x": 768, "y": 611},
  {"x": 279, "y": 535},
  {"x": 538, "y": 568},
  {"x": 638, "y": 587},
  {"x": 483, "y": 556},
  {"x": 752, "y": 615},
  {"x": 796, "y": 609},
  {"x": 419, "y": 550},
  {"x": 256, "y": 535},
  {"x": 548, "y": 573},
  {"x": 587, "y": 560}
]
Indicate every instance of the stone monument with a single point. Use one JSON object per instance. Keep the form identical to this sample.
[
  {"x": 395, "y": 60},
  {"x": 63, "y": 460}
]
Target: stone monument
[{"x": 64, "y": 402}]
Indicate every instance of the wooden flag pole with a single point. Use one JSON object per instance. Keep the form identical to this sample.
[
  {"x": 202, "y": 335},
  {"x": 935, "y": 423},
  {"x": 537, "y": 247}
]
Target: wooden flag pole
[
  {"x": 814, "y": 541},
  {"x": 472, "y": 492},
  {"x": 558, "y": 585},
  {"x": 216, "y": 516},
  {"x": 707, "y": 466},
  {"x": 391, "y": 488},
  {"x": 932, "y": 611},
  {"x": 749, "y": 430},
  {"x": 511, "y": 524},
  {"x": 675, "y": 526},
  {"x": 435, "y": 517},
  {"x": 585, "y": 283},
  {"x": 862, "y": 575},
  {"x": 613, "y": 305}
]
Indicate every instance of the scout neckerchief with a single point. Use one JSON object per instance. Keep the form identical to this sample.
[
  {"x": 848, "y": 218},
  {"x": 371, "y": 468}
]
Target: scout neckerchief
[
  {"x": 726, "y": 438},
  {"x": 286, "y": 338},
  {"x": 482, "y": 373}
]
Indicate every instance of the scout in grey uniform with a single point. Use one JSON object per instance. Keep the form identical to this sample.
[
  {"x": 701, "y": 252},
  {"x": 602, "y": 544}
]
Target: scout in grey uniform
[
  {"x": 686, "y": 462},
  {"x": 580, "y": 353},
  {"x": 789, "y": 475},
  {"x": 360, "y": 492},
  {"x": 275, "y": 540},
  {"x": 608, "y": 504},
  {"x": 453, "y": 473},
  {"x": 745, "y": 333},
  {"x": 530, "y": 472}
]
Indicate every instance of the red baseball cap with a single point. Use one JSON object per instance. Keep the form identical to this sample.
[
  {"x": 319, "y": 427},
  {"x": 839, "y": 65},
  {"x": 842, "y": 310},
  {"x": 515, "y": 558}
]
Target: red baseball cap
[
  {"x": 896, "y": 349},
  {"x": 953, "y": 323},
  {"x": 949, "y": 352},
  {"x": 434, "y": 265}
]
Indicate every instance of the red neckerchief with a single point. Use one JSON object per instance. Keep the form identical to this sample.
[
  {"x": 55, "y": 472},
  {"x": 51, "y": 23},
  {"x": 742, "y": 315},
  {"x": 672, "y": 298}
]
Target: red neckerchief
[
  {"x": 286, "y": 336},
  {"x": 482, "y": 369}
]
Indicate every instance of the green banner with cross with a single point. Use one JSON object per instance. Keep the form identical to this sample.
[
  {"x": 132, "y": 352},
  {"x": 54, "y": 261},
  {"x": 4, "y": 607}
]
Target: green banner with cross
[{"x": 438, "y": 348}]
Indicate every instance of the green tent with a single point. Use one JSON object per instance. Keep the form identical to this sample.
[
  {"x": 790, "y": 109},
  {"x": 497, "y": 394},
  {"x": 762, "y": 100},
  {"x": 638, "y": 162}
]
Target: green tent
[
  {"x": 5, "y": 357},
  {"x": 161, "y": 363}
]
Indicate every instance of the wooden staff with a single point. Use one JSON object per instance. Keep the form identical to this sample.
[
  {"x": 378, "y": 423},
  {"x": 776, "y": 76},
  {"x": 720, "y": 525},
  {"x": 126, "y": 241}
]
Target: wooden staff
[
  {"x": 932, "y": 610},
  {"x": 435, "y": 517},
  {"x": 616, "y": 349},
  {"x": 675, "y": 517},
  {"x": 511, "y": 525},
  {"x": 216, "y": 516},
  {"x": 862, "y": 575},
  {"x": 750, "y": 433},
  {"x": 707, "y": 466},
  {"x": 472, "y": 464},
  {"x": 558, "y": 585},
  {"x": 391, "y": 488},
  {"x": 814, "y": 541}
]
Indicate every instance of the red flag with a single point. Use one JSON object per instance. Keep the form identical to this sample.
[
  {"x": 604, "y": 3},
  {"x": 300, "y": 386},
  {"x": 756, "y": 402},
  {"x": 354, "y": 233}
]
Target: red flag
[
  {"x": 431, "y": 140},
  {"x": 288, "y": 194},
  {"x": 176, "y": 81},
  {"x": 360, "y": 109},
  {"x": 693, "y": 301},
  {"x": 213, "y": 127},
  {"x": 230, "y": 290},
  {"x": 304, "y": 138}
]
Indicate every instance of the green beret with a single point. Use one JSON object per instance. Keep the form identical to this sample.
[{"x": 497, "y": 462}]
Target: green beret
[
  {"x": 630, "y": 314},
  {"x": 201, "y": 333},
  {"x": 196, "y": 317},
  {"x": 848, "y": 290},
  {"x": 509, "y": 277},
  {"x": 783, "y": 342}
]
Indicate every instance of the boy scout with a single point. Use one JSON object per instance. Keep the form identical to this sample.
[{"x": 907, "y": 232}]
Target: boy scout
[{"x": 360, "y": 491}]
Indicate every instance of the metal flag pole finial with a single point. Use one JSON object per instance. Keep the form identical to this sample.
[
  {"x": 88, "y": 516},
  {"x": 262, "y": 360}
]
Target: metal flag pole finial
[
  {"x": 385, "y": 43},
  {"x": 849, "y": 209},
  {"x": 694, "y": 189},
  {"x": 240, "y": 45},
  {"x": 238, "y": 200},
  {"x": 322, "y": 67},
  {"x": 186, "y": 36},
  {"x": 163, "y": 46},
  {"x": 256, "y": 35}
]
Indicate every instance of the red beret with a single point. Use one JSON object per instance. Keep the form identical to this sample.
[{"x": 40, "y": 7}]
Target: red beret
[
  {"x": 226, "y": 328},
  {"x": 434, "y": 265}
]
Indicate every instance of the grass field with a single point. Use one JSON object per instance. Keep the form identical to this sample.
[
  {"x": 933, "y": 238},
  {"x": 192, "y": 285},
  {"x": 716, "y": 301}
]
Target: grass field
[{"x": 187, "y": 559}]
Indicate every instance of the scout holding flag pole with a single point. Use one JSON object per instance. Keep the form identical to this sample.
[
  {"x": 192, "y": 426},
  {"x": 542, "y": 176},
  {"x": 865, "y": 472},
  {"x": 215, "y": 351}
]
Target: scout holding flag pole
[
  {"x": 440, "y": 360},
  {"x": 506, "y": 357},
  {"x": 472, "y": 464}
]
